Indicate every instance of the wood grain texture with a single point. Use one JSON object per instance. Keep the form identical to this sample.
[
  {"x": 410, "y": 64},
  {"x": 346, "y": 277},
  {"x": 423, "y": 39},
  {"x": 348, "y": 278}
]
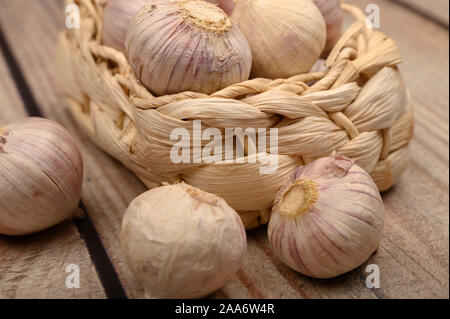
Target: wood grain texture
[
  {"x": 413, "y": 257},
  {"x": 11, "y": 106},
  {"x": 35, "y": 266},
  {"x": 435, "y": 9}
]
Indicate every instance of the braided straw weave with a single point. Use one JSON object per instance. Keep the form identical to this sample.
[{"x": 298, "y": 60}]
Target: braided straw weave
[{"x": 359, "y": 107}]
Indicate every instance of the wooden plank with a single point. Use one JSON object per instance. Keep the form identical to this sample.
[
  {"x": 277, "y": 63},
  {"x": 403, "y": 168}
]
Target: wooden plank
[
  {"x": 11, "y": 104},
  {"x": 413, "y": 257},
  {"x": 416, "y": 231},
  {"x": 434, "y": 9},
  {"x": 35, "y": 266}
]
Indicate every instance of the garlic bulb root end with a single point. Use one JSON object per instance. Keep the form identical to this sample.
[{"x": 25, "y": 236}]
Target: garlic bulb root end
[
  {"x": 298, "y": 198},
  {"x": 205, "y": 15}
]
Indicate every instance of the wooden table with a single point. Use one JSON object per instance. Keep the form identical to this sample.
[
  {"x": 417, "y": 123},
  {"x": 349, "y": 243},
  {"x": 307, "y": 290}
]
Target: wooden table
[{"x": 413, "y": 257}]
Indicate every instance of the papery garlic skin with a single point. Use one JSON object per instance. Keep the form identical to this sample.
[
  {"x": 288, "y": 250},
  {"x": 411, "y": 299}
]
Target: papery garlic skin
[
  {"x": 327, "y": 219},
  {"x": 226, "y": 5},
  {"x": 286, "y": 36},
  {"x": 187, "y": 45},
  {"x": 332, "y": 13},
  {"x": 116, "y": 20},
  {"x": 181, "y": 242},
  {"x": 41, "y": 173},
  {"x": 319, "y": 66}
]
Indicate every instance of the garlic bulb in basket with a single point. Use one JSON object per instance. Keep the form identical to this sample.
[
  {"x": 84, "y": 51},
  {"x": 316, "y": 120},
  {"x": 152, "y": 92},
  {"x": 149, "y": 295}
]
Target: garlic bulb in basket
[
  {"x": 286, "y": 36},
  {"x": 116, "y": 20},
  {"x": 327, "y": 219},
  {"x": 225, "y": 5},
  {"x": 41, "y": 174},
  {"x": 319, "y": 66},
  {"x": 181, "y": 242},
  {"x": 187, "y": 45},
  {"x": 332, "y": 13}
]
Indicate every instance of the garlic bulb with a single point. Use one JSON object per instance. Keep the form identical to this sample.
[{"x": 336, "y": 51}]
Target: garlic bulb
[
  {"x": 286, "y": 36},
  {"x": 225, "y": 5},
  {"x": 41, "y": 174},
  {"x": 319, "y": 66},
  {"x": 116, "y": 19},
  {"x": 187, "y": 45},
  {"x": 181, "y": 242},
  {"x": 327, "y": 219},
  {"x": 332, "y": 13}
]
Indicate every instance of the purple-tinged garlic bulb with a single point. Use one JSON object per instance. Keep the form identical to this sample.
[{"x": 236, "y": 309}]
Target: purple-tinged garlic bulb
[
  {"x": 41, "y": 172},
  {"x": 181, "y": 242},
  {"x": 327, "y": 219},
  {"x": 226, "y": 5},
  {"x": 116, "y": 20},
  {"x": 186, "y": 45}
]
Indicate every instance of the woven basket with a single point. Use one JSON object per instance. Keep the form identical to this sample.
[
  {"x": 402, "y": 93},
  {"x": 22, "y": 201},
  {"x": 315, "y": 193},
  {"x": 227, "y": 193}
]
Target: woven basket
[{"x": 359, "y": 108}]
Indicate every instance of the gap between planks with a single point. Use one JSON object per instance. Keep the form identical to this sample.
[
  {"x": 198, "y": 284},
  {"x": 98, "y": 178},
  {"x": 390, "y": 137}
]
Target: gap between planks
[{"x": 87, "y": 231}]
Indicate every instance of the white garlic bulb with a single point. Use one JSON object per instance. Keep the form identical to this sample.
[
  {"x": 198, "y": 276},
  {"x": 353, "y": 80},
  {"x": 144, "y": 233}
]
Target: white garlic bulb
[
  {"x": 41, "y": 174},
  {"x": 181, "y": 242},
  {"x": 332, "y": 14},
  {"x": 116, "y": 20},
  {"x": 286, "y": 36},
  {"x": 327, "y": 219},
  {"x": 187, "y": 45}
]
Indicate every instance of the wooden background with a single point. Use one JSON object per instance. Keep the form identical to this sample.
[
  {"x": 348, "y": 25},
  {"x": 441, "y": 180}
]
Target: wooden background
[{"x": 414, "y": 254}]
